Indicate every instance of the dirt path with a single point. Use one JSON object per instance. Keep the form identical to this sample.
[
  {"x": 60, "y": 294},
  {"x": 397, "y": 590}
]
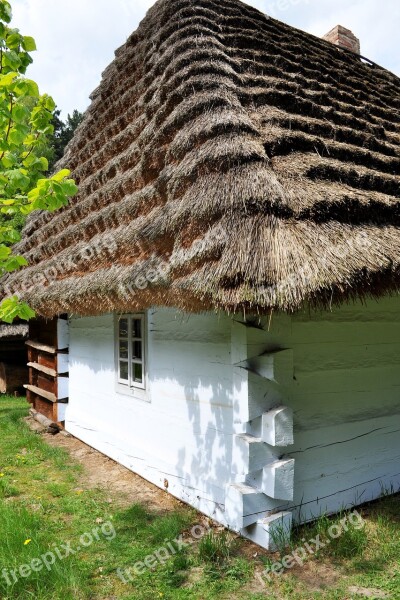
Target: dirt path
[{"x": 99, "y": 471}]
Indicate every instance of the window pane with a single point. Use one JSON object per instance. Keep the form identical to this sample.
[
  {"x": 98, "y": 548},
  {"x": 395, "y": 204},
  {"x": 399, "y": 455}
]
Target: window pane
[
  {"x": 123, "y": 371},
  {"x": 123, "y": 349},
  {"x": 123, "y": 328},
  {"x": 137, "y": 350},
  {"x": 137, "y": 370},
  {"x": 137, "y": 328}
]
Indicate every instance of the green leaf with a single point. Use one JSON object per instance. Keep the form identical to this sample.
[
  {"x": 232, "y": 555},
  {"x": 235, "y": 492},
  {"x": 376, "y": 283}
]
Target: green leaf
[
  {"x": 25, "y": 312},
  {"x": 26, "y": 60},
  {"x": 18, "y": 179},
  {"x": 20, "y": 113},
  {"x": 16, "y": 136},
  {"x": 43, "y": 163},
  {"x": 27, "y": 87},
  {"x": 8, "y": 160},
  {"x": 5, "y": 11},
  {"x": 29, "y": 43},
  {"x": 48, "y": 130},
  {"x": 11, "y": 59},
  {"x": 30, "y": 140},
  {"x": 69, "y": 187},
  {"x": 33, "y": 194},
  {"x": 48, "y": 102},
  {"x": 11, "y": 308},
  {"x": 4, "y": 252},
  {"x": 8, "y": 235},
  {"x": 13, "y": 263},
  {"x": 13, "y": 40},
  {"x": 7, "y": 80},
  {"x": 61, "y": 175},
  {"x": 33, "y": 88}
]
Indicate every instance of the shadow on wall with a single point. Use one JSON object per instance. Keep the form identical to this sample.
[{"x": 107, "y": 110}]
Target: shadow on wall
[{"x": 188, "y": 428}]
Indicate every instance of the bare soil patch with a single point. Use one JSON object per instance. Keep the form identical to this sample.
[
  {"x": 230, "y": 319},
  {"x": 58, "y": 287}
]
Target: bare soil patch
[{"x": 123, "y": 486}]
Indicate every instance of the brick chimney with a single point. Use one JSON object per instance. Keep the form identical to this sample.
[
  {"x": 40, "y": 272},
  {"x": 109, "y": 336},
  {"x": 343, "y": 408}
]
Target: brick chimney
[{"x": 340, "y": 36}]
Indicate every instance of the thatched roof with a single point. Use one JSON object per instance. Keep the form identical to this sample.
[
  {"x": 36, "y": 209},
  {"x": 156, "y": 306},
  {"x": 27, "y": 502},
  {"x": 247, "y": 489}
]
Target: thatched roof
[
  {"x": 227, "y": 160},
  {"x": 13, "y": 332}
]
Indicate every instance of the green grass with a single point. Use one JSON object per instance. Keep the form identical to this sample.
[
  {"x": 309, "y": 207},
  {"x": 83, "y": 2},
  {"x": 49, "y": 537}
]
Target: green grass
[{"x": 43, "y": 508}]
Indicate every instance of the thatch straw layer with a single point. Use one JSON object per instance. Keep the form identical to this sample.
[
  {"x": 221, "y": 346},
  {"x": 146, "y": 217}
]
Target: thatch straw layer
[
  {"x": 13, "y": 332},
  {"x": 227, "y": 161}
]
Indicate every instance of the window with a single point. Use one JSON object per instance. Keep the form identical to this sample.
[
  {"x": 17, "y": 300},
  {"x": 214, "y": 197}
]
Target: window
[{"x": 131, "y": 363}]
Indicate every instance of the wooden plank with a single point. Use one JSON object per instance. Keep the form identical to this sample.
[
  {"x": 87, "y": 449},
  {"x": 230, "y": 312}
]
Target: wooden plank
[
  {"x": 243, "y": 505},
  {"x": 277, "y": 426},
  {"x": 46, "y": 360},
  {"x": 43, "y": 369},
  {"x": 46, "y": 383},
  {"x": 32, "y": 377},
  {"x": 345, "y": 380},
  {"x": 384, "y": 310},
  {"x": 45, "y": 407},
  {"x": 343, "y": 356},
  {"x": 250, "y": 454},
  {"x": 42, "y": 347},
  {"x": 36, "y": 390},
  {"x": 277, "y": 479},
  {"x": 314, "y": 409},
  {"x": 272, "y": 532},
  {"x": 174, "y": 326},
  {"x": 305, "y": 334},
  {"x": 275, "y": 366}
]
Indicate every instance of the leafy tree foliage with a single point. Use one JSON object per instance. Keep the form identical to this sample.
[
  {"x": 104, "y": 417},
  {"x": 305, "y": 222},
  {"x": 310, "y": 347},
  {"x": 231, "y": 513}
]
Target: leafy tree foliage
[
  {"x": 25, "y": 129},
  {"x": 63, "y": 133},
  {"x": 61, "y": 136}
]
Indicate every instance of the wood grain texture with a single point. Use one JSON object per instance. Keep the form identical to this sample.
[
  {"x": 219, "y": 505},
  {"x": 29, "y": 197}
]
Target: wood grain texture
[
  {"x": 42, "y": 369},
  {"x": 277, "y": 426}
]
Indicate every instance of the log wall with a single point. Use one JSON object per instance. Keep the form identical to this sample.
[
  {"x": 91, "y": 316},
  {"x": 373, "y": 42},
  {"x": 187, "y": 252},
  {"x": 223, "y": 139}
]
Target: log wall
[
  {"x": 245, "y": 420},
  {"x": 47, "y": 345}
]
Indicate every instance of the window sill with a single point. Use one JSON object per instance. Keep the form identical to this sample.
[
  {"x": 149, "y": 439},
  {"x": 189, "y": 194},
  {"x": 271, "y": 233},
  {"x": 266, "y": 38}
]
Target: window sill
[{"x": 133, "y": 392}]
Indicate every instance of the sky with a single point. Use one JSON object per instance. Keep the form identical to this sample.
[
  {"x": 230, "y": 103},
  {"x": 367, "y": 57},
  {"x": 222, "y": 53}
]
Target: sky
[{"x": 76, "y": 39}]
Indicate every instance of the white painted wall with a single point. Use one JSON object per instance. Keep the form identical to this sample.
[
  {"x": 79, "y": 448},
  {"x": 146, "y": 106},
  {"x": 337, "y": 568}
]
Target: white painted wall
[
  {"x": 346, "y": 401},
  {"x": 342, "y": 383},
  {"x": 182, "y": 432}
]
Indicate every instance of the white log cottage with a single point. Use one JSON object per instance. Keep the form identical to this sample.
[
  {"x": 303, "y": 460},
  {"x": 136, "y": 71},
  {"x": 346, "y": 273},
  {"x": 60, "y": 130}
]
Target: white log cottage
[{"x": 218, "y": 308}]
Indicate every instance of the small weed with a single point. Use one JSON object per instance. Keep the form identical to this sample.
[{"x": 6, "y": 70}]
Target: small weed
[
  {"x": 177, "y": 570},
  {"x": 280, "y": 539},
  {"x": 349, "y": 544},
  {"x": 7, "y": 490},
  {"x": 239, "y": 569},
  {"x": 215, "y": 547},
  {"x": 340, "y": 537}
]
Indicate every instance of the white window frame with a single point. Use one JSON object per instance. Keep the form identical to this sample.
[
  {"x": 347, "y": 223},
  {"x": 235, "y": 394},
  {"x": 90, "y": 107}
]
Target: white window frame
[{"x": 131, "y": 387}]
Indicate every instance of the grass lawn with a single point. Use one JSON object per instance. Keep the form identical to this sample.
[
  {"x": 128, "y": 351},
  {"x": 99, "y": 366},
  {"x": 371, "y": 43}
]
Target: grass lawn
[{"x": 45, "y": 517}]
